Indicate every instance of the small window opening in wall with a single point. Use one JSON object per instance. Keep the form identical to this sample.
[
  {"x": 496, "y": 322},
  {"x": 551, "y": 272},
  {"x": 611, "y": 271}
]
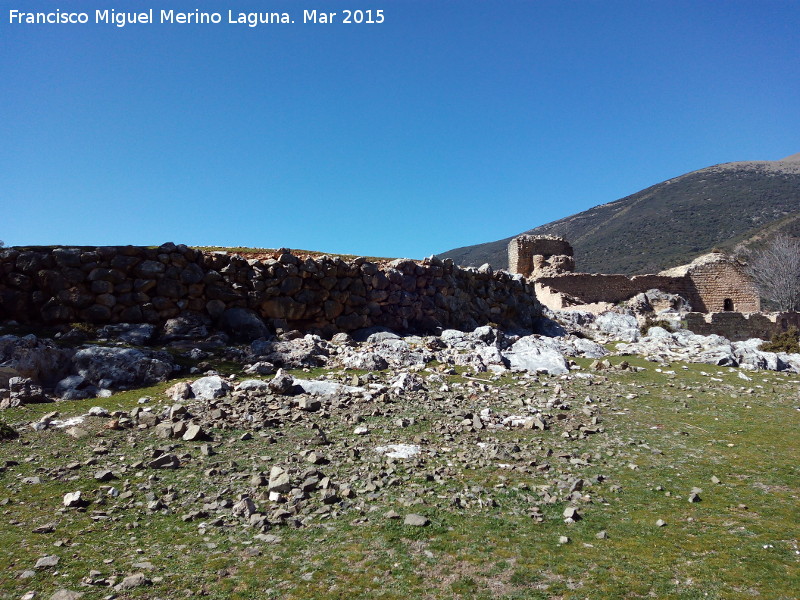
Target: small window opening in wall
[{"x": 727, "y": 304}]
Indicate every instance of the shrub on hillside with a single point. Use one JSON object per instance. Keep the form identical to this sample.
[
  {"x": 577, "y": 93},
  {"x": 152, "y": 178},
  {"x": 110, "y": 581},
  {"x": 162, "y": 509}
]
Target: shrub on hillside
[
  {"x": 786, "y": 341},
  {"x": 653, "y": 322},
  {"x": 7, "y": 432}
]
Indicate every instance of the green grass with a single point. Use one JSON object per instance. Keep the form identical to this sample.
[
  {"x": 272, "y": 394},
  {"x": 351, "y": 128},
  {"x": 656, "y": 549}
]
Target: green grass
[{"x": 679, "y": 430}]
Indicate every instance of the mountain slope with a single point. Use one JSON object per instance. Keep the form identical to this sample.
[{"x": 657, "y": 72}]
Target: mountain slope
[{"x": 671, "y": 222}]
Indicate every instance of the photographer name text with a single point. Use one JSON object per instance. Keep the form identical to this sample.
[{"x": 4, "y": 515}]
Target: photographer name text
[{"x": 196, "y": 17}]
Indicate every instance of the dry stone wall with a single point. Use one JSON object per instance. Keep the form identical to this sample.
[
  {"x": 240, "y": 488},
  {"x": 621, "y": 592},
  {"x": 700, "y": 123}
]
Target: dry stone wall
[
  {"x": 738, "y": 327},
  {"x": 132, "y": 284}
]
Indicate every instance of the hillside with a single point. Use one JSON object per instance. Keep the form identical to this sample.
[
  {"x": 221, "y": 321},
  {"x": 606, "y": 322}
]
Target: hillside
[{"x": 672, "y": 222}]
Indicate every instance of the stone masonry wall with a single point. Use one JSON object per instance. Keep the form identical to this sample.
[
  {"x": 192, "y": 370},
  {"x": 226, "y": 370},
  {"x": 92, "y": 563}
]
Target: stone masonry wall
[
  {"x": 720, "y": 281},
  {"x": 590, "y": 288},
  {"x": 536, "y": 255},
  {"x": 134, "y": 284},
  {"x": 737, "y": 326}
]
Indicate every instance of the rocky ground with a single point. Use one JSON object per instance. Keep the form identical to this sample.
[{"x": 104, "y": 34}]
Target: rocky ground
[{"x": 480, "y": 464}]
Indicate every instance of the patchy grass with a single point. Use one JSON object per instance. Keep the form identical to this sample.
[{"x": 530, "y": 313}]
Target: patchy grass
[
  {"x": 665, "y": 433},
  {"x": 262, "y": 252}
]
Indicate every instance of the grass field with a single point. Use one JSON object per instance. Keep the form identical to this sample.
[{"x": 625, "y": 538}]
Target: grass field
[{"x": 662, "y": 434}]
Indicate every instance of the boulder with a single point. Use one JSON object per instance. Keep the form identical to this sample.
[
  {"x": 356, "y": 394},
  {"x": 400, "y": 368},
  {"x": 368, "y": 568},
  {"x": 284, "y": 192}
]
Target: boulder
[
  {"x": 532, "y": 354},
  {"x": 136, "y": 334},
  {"x": 210, "y": 387},
  {"x": 253, "y": 385},
  {"x": 243, "y": 324},
  {"x": 621, "y": 327},
  {"x": 39, "y": 360},
  {"x": 23, "y": 390},
  {"x": 119, "y": 368},
  {"x": 188, "y": 326},
  {"x": 282, "y": 383}
]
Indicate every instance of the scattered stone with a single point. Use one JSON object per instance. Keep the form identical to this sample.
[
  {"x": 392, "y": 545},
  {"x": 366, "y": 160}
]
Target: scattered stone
[
  {"x": 132, "y": 581},
  {"x": 282, "y": 383},
  {"x": 73, "y": 500},
  {"x": 194, "y": 433},
  {"x": 165, "y": 461},
  {"x": 104, "y": 475},
  {"x": 47, "y": 562},
  {"x": 660, "y": 523},
  {"x": 211, "y": 387},
  {"x": 415, "y": 520},
  {"x": 65, "y": 594}
]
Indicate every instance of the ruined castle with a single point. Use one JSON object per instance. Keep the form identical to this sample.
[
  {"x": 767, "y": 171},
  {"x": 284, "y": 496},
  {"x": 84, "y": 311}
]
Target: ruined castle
[{"x": 711, "y": 283}]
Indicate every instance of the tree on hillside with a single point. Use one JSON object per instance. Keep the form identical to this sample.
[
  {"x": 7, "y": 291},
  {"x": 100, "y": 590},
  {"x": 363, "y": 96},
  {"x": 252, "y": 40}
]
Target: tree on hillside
[{"x": 775, "y": 268}]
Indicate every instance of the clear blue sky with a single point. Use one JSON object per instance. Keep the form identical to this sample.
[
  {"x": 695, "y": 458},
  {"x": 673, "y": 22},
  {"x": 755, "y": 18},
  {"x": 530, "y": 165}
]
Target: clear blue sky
[{"x": 452, "y": 123}]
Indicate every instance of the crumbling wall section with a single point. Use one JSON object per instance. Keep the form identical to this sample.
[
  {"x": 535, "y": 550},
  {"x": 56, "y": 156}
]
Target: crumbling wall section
[
  {"x": 586, "y": 288},
  {"x": 135, "y": 284},
  {"x": 539, "y": 255},
  {"x": 737, "y": 326}
]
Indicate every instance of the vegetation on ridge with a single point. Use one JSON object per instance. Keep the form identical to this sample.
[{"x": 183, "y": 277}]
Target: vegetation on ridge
[{"x": 670, "y": 223}]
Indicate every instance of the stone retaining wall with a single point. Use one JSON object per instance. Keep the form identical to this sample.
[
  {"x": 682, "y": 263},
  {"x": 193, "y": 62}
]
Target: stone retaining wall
[
  {"x": 738, "y": 326},
  {"x": 132, "y": 284}
]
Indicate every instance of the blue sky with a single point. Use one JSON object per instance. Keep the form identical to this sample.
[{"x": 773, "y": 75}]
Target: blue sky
[{"x": 451, "y": 123}]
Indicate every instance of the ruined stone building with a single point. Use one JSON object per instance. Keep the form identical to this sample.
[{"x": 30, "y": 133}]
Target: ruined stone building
[{"x": 711, "y": 283}]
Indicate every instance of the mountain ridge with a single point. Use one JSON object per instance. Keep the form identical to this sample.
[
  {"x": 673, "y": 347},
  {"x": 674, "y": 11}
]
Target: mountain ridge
[{"x": 671, "y": 222}]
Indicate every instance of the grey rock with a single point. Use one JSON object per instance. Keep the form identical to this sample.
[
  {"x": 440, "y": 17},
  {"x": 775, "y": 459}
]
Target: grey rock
[
  {"x": 325, "y": 388},
  {"x": 415, "y": 520},
  {"x": 180, "y": 391},
  {"x": 165, "y": 461},
  {"x": 244, "y": 508},
  {"x": 243, "y": 324},
  {"x": 194, "y": 433},
  {"x": 71, "y": 383},
  {"x": 532, "y": 354},
  {"x": 282, "y": 383},
  {"x": 65, "y": 594},
  {"x": 253, "y": 385},
  {"x": 261, "y": 367},
  {"x": 122, "y": 367},
  {"x": 132, "y": 581},
  {"x": 407, "y": 382},
  {"x": 622, "y": 327},
  {"x": 279, "y": 481},
  {"x": 104, "y": 475},
  {"x": 210, "y": 387},
  {"x": 190, "y": 326},
  {"x": 46, "y": 562},
  {"x": 136, "y": 334},
  {"x": 39, "y": 360},
  {"x": 72, "y": 499}
]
